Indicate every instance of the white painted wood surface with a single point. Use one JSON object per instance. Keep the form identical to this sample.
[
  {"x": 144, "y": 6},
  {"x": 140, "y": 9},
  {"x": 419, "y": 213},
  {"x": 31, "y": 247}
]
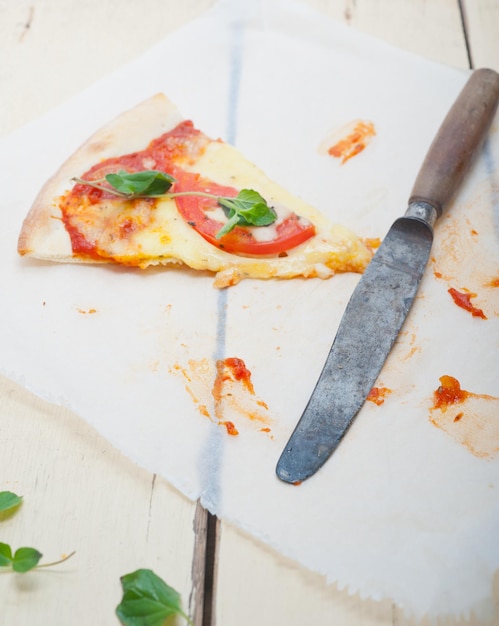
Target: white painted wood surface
[{"x": 80, "y": 494}]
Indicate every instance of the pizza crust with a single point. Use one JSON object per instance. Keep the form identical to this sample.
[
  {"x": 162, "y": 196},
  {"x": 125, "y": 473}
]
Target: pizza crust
[{"x": 168, "y": 239}]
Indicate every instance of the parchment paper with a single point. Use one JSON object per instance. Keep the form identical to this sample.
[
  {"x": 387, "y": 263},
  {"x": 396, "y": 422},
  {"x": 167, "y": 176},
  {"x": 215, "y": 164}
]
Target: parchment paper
[{"x": 406, "y": 508}]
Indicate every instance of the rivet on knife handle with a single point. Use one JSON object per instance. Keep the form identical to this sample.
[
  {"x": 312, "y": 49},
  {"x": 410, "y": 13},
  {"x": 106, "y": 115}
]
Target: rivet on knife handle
[{"x": 384, "y": 295}]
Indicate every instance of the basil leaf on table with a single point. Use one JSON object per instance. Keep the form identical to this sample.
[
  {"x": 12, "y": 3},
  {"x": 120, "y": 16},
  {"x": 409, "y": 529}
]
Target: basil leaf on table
[
  {"x": 147, "y": 600},
  {"x": 21, "y": 561},
  {"x": 9, "y": 500},
  {"x": 5, "y": 555},
  {"x": 25, "y": 559}
]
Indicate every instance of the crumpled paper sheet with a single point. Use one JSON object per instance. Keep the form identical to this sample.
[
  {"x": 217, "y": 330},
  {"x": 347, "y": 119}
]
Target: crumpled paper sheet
[{"x": 405, "y": 509}]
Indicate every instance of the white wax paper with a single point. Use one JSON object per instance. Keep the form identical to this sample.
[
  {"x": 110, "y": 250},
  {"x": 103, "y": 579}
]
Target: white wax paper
[{"x": 405, "y": 508}]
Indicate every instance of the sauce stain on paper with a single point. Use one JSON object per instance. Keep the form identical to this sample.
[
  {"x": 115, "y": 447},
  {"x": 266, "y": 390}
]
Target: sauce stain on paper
[
  {"x": 465, "y": 254},
  {"x": 377, "y": 395},
  {"x": 471, "y": 419},
  {"x": 463, "y": 300},
  {"x": 223, "y": 391},
  {"x": 349, "y": 140}
]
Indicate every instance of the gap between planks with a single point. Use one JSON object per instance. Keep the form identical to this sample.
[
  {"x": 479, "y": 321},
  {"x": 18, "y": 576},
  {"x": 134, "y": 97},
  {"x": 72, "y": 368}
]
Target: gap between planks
[
  {"x": 204, "y": 567},
  {"x": 464, "y": 25}
]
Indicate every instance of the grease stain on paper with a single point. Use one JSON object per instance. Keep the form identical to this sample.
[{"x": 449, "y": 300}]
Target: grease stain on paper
[
  {"x": 90, "y": 311},
  {"x": 223, "y": 391},
  {"x": 348, "y": 141},
  {"x": 465, "y": 253},
  {"x": 471, "y": 419}
]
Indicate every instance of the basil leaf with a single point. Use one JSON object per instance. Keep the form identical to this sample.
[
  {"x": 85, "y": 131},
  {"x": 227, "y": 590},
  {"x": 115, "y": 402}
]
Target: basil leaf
[
  {"x": 147, "y": 600},
  {"x": 25, "y": 559},
  {"x": 5, "y": 555},
  {"x": 248, "y": 208},
  {"x": 9, "y": 500},
  {"x": 147, "y": 183}
]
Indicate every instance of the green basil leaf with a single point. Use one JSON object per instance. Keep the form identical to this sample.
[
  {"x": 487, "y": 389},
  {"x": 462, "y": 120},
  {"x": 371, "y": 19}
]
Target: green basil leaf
[
  {"x": 259, "y": 215},
  {"x": 248, "y": 208},
  {"x": 5, "y": 555},
  {"x": 226, "y": 228},
  {"x": 147, "y": 183},
  {"x": 25, "y": 559},
  {"x": 147, "y": 600},
  {"x": 9, "y": 500}
]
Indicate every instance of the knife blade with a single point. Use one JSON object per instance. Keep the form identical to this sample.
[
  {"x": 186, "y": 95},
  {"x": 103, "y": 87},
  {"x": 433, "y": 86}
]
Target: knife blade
[{"x": 384, "y": 295}]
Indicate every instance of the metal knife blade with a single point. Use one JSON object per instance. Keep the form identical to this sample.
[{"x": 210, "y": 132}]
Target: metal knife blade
[{"x": 384, "y": 295}]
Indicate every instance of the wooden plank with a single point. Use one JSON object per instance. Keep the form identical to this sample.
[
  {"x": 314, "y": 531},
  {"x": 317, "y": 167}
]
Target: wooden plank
[
  {"x": 429, "y": 29},
  {"x": 56, "y": 49},
  {"x": 255, "y": 581},
  {"x": 481, "y": 19},
  {"x": 81, "y": 494}
]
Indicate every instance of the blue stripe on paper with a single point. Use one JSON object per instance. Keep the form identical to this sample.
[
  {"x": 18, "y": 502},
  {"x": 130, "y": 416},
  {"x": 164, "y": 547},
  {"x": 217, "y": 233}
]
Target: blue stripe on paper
[{"x": 212, "y": 454}]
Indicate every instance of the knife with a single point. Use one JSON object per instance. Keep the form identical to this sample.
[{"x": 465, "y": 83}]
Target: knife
[{"x": 385, "y": 293}]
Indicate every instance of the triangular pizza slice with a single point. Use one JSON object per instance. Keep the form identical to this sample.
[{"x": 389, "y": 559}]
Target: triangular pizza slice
[{"x": 151, "y": 189}]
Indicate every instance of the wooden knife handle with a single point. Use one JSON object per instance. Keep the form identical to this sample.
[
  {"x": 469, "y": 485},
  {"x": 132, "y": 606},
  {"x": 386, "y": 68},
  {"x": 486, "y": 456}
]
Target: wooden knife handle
[{"x": 457, "y": 141}]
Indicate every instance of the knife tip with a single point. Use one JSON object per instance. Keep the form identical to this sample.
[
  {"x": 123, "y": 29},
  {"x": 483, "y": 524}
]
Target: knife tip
[{"x": 288, "y": 472}]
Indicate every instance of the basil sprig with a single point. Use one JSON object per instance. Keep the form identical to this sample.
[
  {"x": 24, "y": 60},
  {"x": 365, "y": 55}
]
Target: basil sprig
[
  {"x": 248, "y": 208},
  {"x": 23, "y": 559}
]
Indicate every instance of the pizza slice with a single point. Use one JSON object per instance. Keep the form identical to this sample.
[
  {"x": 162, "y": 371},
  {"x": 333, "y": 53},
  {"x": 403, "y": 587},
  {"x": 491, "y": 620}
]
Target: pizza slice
[{"x": 151, "y": 189}]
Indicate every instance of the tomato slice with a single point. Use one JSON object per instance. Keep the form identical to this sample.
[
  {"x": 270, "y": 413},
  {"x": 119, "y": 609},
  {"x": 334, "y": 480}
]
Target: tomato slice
[{"x": 291, "y": 232}]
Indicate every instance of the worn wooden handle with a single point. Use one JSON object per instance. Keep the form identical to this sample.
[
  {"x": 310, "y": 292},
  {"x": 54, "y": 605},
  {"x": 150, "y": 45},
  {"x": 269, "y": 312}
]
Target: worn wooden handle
[{"x": 458, "y": 140}]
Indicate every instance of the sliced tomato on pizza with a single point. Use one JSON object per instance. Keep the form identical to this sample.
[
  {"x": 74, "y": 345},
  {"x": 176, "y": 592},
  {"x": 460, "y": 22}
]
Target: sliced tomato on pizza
[{"x": 151, "y": 189}]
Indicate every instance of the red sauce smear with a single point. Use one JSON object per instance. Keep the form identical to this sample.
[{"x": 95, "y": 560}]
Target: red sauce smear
[
  {"x": 378, "y": 395},
  {"x": 232, "y": 369},
  {"x": 448, "y": 393},
  {"x": 463, "y": 300},
  {"x": 354, "y": 142},
  {"x": 240, "y": 372},
  {"x": 493, "y": 283},
  {"x": 231, "y": 429}
]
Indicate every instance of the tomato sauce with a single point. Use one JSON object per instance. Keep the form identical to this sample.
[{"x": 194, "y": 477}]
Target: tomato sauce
[
  {"x": 463, "y": 300},
  {"x": 354, "y": 143},
  {"x": 449, "y": 392},
  {"x": 231, "y": 429},
  {"x": 378, "y": 395},
  {"x": 240, "y": 372}
]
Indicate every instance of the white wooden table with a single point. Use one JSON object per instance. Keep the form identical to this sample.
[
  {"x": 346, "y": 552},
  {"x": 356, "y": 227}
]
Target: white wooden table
[{"x": 81, "y": 494}]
